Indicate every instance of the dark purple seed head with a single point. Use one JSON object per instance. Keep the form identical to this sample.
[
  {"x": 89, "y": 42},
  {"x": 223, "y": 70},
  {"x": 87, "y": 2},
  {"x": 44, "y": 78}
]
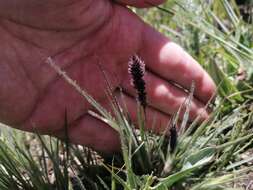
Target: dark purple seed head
[
  {"x": 173, "y": 138},
  {"x": 137, "y": 70}
]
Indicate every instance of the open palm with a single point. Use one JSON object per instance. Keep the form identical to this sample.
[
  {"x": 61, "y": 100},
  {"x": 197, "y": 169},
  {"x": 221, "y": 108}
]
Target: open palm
[{"x": 77, "y": 35}]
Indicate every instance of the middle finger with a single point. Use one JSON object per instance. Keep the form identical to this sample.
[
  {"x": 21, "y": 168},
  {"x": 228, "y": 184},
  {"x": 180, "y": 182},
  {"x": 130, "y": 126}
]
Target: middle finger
[{"x": 167, "y": 97}]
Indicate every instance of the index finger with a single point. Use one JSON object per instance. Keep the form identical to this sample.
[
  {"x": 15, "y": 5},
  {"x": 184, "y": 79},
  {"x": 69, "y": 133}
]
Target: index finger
[
  {"x": 168, "y": 60},
  {"x": 141, "y": 3}
]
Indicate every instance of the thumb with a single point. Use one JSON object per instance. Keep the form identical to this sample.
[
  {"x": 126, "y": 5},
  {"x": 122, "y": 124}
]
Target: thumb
[{"x": 141, "y": 3}]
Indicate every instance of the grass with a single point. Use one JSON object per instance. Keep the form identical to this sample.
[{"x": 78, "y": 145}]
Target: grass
[{"x": 214, "y": 155}]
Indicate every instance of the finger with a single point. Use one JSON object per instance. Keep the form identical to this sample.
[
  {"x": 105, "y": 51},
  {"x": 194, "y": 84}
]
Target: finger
[
  {"x": 156, "y": 121},
  {"x": 166, "y": 97},
  {"x": 171, "y": 62},
  {"x": 141, "y": 3},
  {"x": 93, "y": 133}
]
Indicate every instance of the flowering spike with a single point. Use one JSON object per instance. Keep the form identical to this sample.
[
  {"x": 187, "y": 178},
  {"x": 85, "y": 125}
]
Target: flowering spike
[
  {"x": 137, "y": 70},
  {"x": 173, "y": 138}
]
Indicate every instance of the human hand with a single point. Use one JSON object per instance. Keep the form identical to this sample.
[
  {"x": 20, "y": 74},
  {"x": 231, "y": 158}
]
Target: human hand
[{"x": 75, "y": 34}]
